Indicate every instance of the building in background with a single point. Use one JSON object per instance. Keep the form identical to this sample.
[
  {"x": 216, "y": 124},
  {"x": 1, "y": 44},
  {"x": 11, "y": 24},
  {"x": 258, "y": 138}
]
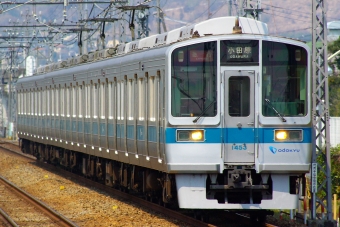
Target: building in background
[
  {"x": 334, "y": 131},
  {"x": 333, "y": 28}
]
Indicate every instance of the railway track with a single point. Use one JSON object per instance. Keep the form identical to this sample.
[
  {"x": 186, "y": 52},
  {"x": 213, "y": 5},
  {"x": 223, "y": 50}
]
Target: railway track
[
  {"x": 6, "y": 220},
  {"x": 172, "y": 214},
  {"x": 23, "y": 208}
]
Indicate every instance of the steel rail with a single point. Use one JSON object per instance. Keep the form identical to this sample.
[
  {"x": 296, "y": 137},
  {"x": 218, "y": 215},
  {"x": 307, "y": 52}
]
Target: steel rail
[{"x": 55, "y": 216}]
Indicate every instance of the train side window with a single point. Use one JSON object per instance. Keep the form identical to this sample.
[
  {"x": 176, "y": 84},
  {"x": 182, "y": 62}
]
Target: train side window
[
  {"x": 99, "y": 99},
  {"x": 36, "y": 102},
  {"x": 141, "y": 97},
  {"x": 152, "y": 99},
  {"x": 95, "y": 100},
  {"x": 239, "y": 96},
  {"x": 62, "y": 102},
  {"x": 22, "y": 102},
  {"x": 122, "y": 99},
  {"x": 29, "y": 105},
  {"x": 130, "y": 109},
  {"x": 118, "y": 100},
  {"x": 44, "y": 94},
  {"x": 48, "y": 102},
  {"x": 103, "y": 100},
  {"x": 80, "y": 101},
  {"x": 52, "y": 101},
  {"x": 32, "y": 102},
  {"x": 88, "y": 101},
  {"x": 19, "y": 103},
  {"x": 57, "y": 101},
  {"x": 26, "y": 103},
  {"x": 74, "y": 101},
  {"x": 69, "y": 94},
  {"x": 109, "y": 102},
  {"x": 40, "y": 102}
]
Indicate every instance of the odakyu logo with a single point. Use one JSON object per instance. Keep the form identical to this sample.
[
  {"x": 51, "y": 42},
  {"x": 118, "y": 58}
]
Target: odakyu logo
[{"x": 274, "y": 150}]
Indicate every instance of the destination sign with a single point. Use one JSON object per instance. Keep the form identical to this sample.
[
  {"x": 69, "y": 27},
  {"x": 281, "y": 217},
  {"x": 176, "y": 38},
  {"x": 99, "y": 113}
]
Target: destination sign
[{"x": 239, "y": 51}]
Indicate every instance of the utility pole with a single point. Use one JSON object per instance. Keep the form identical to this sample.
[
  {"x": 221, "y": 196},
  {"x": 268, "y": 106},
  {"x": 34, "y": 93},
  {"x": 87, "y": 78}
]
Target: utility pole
[
  {"x": 251, "y": 9},
  {"x": 10, "y": 122},
  {"x": 1, "y": 103},
  {"x": 209, "y": 13},
  {"x": 321, "y": 161},
  {"x": 158, "y": 18}
]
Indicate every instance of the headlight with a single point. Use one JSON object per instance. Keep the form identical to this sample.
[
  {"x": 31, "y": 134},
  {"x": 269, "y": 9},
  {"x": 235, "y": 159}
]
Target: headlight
[
  {"x": 190, "y": 135},
  {"x": 287, "y": 135},
  {"x": 281, "y": 135}
]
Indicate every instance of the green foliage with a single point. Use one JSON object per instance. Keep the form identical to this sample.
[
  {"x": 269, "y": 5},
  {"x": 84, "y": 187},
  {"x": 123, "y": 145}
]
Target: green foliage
[
  {"x": 334, "y": 96},
  {"x": 335, "y": 169},
  {"x": 332, "y": 48},
  {"x": 334, "y": 82}
]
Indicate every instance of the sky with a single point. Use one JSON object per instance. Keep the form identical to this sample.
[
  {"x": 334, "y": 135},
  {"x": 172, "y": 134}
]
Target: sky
[{"x": 289, "y": 18}]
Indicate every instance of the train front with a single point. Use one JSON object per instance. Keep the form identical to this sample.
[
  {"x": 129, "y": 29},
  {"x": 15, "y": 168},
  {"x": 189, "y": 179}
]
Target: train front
[{"x": 239, "y": 122}]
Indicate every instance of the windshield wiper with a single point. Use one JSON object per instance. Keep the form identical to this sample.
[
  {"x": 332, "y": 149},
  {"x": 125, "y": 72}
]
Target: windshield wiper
[
  {"x": 179, "y": 80},
  {"x": 203, "y": 112},
  {"x": 273, "y": 108}
]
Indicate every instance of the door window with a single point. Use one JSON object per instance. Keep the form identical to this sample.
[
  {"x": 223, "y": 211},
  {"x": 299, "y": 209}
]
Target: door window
[{"x": 239, "y": 96}]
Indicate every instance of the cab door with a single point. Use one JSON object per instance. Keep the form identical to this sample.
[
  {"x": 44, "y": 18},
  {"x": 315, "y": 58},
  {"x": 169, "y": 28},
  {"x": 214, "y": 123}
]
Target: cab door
[{"x": 239, "y": 118}]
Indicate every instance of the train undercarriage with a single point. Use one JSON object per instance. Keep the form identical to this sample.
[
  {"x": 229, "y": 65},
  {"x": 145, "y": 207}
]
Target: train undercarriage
[{"x": 152, "y": 184}]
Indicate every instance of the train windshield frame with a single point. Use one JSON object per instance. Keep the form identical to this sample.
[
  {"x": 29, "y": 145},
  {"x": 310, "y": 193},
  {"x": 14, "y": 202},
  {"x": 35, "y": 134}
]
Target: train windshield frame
[
  {"x": 284, "y": 80},
  {"x": 194, "y": 80}
]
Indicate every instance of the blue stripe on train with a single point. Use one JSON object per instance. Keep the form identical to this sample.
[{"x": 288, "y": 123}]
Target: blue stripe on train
[
  {"x": 236, "y": 135},
  {"x": 212, "y": 135}
]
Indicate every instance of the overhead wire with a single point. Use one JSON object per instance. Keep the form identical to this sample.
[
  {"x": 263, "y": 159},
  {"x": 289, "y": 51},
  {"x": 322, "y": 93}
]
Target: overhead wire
[{"x": 203, "y": 12}]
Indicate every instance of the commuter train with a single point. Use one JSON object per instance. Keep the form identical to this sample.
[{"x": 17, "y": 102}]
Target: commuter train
[{"x": 214, "y": 115}]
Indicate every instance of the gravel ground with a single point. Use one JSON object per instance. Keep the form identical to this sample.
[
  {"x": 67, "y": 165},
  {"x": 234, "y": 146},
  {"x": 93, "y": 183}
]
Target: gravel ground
[
  {"x": 85, "y": 206},
  {"x": 82, "y": 205}
]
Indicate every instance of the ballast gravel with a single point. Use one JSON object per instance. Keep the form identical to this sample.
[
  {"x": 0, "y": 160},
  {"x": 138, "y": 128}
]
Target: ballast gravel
[{"x": 84, "y": 206}]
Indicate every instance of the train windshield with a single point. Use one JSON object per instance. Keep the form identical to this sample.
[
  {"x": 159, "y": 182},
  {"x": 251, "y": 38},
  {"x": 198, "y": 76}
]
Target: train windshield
[
  {"x": 193, "y": 83},
  {"x": 284, "y": 76}
]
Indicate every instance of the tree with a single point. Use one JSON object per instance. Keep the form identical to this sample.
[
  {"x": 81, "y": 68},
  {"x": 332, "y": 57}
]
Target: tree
[
  {"x": 334, "y": 82},
  {"x": 334, "y": 96},
  {"x": 332, "y": 48},
  {"x": 335, "y": 171}
]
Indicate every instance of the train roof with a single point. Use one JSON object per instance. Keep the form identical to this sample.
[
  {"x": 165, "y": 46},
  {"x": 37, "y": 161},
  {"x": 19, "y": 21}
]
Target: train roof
[{"x": 215, "y": 26}]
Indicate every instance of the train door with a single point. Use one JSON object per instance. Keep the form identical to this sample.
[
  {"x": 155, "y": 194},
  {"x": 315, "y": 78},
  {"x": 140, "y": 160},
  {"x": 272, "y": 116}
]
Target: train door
[{"x": 239, "y": 117}]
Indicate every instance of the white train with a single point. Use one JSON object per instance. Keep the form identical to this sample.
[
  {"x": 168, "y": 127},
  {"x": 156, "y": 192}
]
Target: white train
[{"x": 215, "y": 115}]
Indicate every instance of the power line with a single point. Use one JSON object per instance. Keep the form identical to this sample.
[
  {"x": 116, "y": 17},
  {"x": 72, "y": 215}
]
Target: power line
[{"x": 203, "y": 12}]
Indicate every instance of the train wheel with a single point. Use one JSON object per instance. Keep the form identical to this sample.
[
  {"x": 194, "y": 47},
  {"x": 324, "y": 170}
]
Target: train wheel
[{"x": 258, "y": 218}]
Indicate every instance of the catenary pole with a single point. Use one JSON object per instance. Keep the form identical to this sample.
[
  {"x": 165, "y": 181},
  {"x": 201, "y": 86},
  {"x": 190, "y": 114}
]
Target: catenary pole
[{"x": 321, "y": 189}]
